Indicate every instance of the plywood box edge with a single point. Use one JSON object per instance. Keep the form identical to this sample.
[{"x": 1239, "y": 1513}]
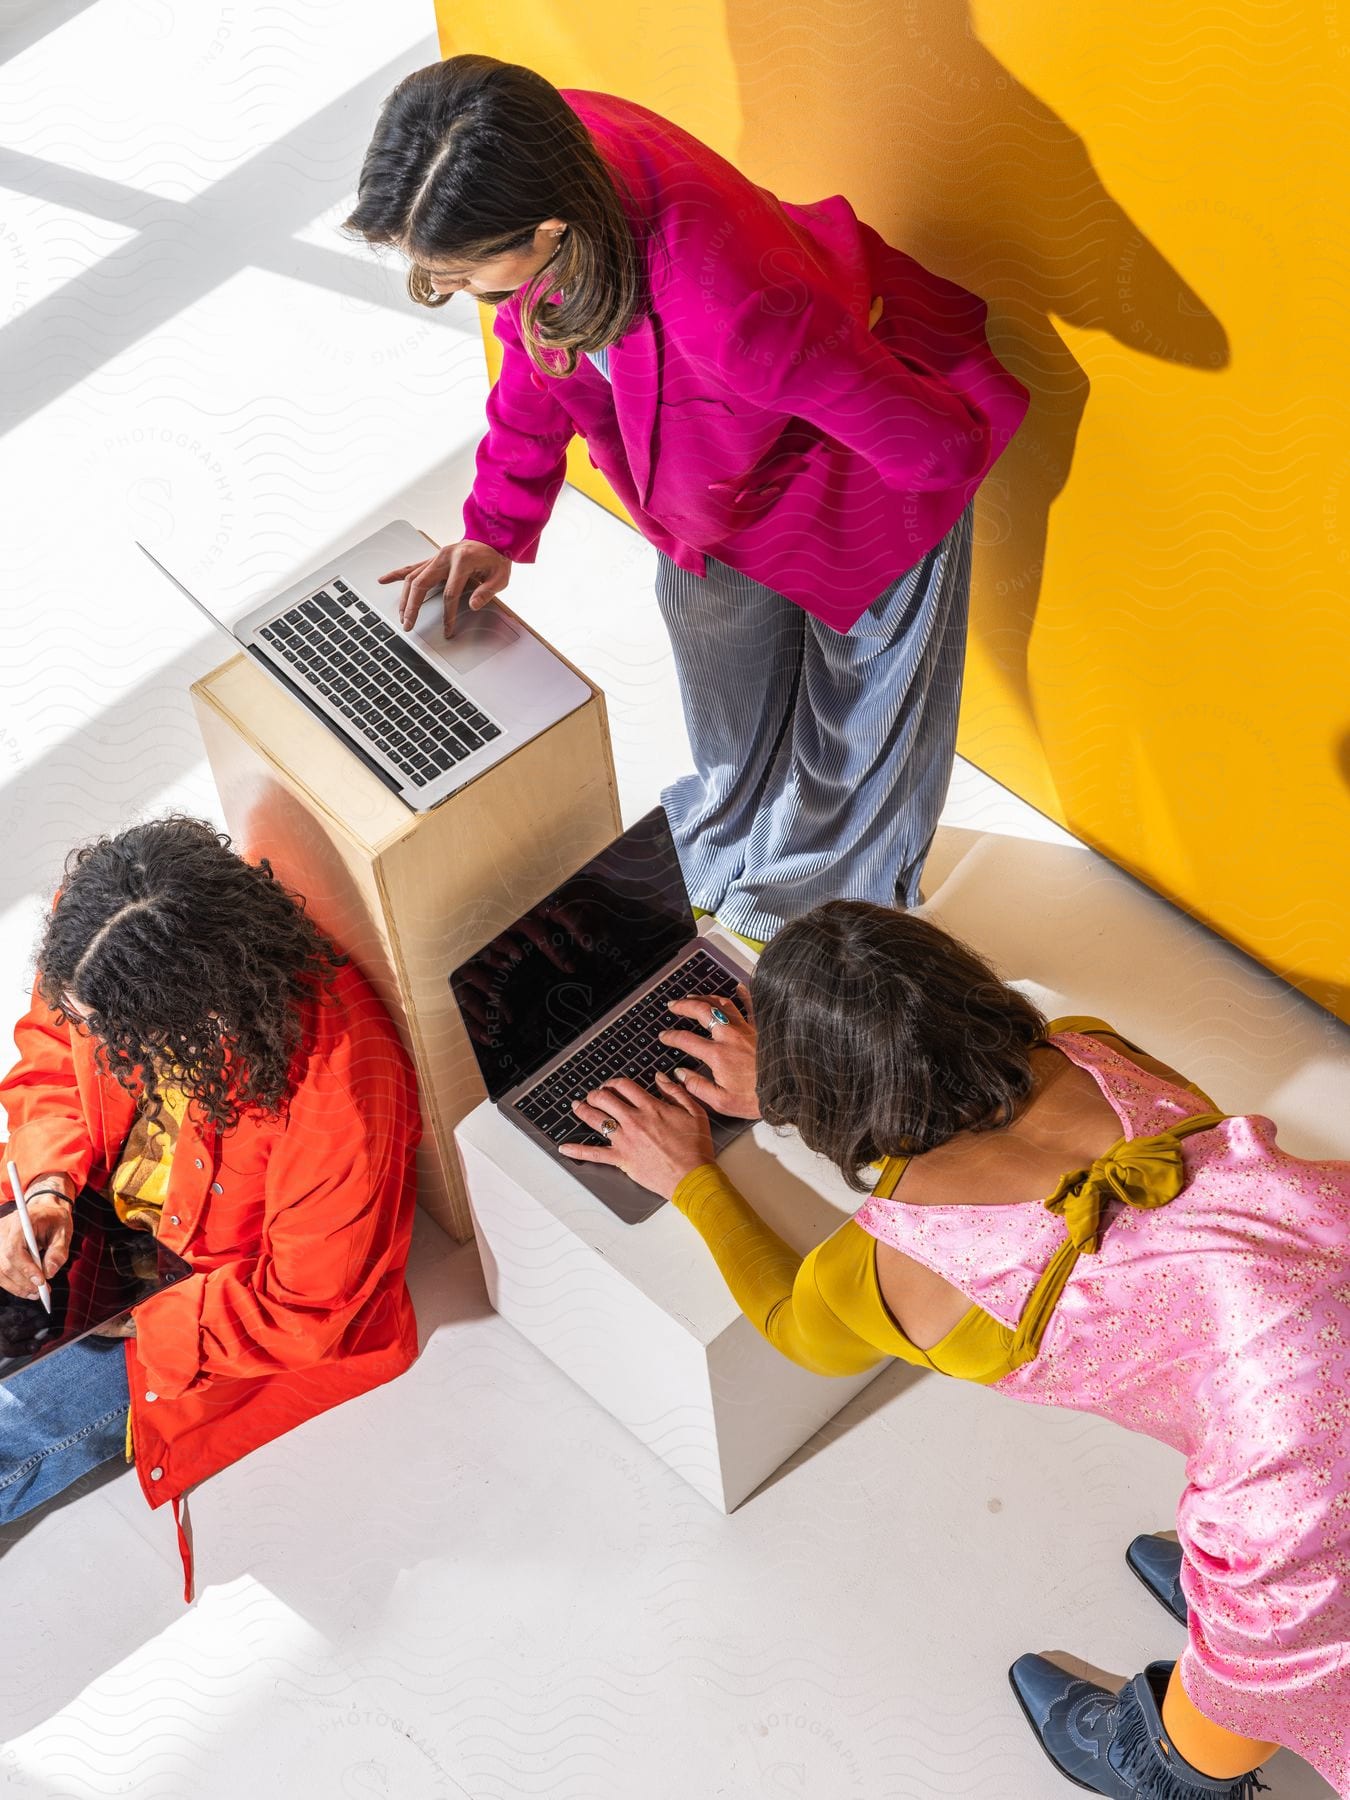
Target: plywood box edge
[
  {"x": 592, "y": 709},
  {"x": 457, "y": 1221},
  {"x": 204, "y": 694}
]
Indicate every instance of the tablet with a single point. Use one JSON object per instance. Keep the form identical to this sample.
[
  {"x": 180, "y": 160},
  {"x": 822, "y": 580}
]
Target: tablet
[{"x": 111, "y": 1268}]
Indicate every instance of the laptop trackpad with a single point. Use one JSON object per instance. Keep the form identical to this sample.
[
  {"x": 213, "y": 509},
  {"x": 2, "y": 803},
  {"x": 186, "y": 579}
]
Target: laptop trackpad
[{"x": 477, "y": 636}]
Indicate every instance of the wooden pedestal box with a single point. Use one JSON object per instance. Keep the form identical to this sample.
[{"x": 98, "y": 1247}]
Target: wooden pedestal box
[{"x": 408, "y": 895}]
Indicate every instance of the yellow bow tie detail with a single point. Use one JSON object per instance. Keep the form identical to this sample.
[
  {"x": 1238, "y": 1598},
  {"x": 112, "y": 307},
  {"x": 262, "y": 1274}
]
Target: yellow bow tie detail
[{"x": 1144, "y": 1172}]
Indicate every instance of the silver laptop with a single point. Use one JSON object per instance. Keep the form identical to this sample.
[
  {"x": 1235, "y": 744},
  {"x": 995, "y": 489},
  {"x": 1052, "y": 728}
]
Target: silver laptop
[
  {"x": 577, "y": 992},
  {"x": 427, "y": 715}
]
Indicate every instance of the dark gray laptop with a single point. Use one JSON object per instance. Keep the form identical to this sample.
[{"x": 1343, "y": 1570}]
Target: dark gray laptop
[{"x": 576, "y": 992}]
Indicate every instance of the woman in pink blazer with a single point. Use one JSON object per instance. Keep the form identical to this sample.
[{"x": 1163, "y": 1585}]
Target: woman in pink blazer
[{"x": 795, "y": 414}]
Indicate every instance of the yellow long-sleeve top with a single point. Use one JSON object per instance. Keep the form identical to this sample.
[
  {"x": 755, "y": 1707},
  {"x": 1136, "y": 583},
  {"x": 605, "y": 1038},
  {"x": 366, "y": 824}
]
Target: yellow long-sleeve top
[{"x": 825, "y": 1310}]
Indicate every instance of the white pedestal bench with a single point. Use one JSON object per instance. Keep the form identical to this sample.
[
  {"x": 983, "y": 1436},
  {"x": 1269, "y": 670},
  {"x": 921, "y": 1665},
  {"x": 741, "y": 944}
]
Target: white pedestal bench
[{"x": 639, "y": 1316}]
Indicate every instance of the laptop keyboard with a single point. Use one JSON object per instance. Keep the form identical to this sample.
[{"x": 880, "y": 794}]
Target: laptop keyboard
[
  {"x": 389, "y": 695},
  {"x": 629, "y": 1046}
]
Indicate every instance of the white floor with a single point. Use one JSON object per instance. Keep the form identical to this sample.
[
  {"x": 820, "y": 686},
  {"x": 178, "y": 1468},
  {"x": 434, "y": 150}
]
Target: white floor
[{"x": 473, "y": 1583}]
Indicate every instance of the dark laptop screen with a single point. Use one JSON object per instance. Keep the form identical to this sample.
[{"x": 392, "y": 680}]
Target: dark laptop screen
[{"x": 546, "y": 979}]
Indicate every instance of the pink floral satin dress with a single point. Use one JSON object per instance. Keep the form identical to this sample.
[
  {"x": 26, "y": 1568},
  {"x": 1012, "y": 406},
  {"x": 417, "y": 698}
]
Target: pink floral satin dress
[{"x": 1218, "y": 1323}]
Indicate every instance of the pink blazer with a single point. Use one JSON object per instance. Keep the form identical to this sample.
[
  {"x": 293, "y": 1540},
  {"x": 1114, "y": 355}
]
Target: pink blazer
[{"x": 751, "y": 414}]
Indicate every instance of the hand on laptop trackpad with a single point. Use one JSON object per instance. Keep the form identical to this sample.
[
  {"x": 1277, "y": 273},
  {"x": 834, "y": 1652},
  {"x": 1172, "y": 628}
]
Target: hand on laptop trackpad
[{"x": 476, "y": 637}]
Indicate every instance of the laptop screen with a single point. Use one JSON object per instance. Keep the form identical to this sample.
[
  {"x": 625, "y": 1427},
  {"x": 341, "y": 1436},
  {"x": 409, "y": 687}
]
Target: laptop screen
[{"x": 545, "y": 980}]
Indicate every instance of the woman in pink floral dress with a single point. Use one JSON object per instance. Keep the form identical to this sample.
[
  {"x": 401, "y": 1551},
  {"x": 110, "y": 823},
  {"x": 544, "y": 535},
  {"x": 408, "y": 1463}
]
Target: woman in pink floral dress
[{"x": 1078, "y": 1226}]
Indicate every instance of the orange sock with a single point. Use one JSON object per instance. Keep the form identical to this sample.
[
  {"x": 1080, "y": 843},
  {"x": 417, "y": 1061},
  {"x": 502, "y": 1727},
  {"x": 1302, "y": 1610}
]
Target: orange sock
[{"x": 1208, "y": 1747}]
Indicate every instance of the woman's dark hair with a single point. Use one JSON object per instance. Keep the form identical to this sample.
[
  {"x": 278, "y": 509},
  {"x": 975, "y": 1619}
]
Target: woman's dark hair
[
  {"x": 880, "y": 1035},
  {"x": 191, "y": 963},
  {"x": 469, "y": 157}
]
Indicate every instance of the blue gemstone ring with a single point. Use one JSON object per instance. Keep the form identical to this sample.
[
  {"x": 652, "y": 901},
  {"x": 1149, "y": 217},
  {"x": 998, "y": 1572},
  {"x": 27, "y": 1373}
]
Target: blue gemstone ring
[{"x": 718, "y": 1017}]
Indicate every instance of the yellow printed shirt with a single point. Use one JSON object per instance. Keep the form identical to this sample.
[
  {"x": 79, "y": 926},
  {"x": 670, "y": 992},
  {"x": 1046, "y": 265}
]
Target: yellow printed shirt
[{"x": 139, "y": 1184}]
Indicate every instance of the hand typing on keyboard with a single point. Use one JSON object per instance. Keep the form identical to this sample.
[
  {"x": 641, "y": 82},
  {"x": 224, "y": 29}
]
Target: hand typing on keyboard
[
  {"x": 726, "y": 1050},
  {"x": 629, "y": 1046},
  {"x": 655, "y": 1140}
]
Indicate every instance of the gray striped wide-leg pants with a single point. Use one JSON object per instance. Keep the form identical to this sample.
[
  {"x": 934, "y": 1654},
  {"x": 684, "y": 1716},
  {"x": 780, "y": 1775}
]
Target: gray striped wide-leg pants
[{"x": 822, "y": 758}]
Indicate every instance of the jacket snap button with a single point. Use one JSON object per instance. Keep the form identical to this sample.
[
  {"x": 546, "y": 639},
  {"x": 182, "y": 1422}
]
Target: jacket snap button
[
  {"x": 173, "y": 1218},
  {"x": 156, "y": 1474},
  {"x": 152, "y": 1397},
  {"x": 199, "y": 1162},
  {"x": 216, "y": 1188}
]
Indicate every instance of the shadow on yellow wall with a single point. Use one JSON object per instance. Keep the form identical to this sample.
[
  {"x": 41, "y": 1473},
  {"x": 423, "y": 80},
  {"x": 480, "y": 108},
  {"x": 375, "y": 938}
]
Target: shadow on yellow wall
[
  {"x": 1158, "y": 630},
  {"x": 953, "y": 158}
]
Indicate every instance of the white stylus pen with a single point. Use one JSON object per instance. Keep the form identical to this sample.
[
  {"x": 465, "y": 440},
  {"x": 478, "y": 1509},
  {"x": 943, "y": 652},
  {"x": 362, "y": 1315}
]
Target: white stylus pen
[{"x": 44, "y": 1292}]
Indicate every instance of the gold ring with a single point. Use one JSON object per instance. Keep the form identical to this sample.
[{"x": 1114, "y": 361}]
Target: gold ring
[{"x": 609, "y": 1126}]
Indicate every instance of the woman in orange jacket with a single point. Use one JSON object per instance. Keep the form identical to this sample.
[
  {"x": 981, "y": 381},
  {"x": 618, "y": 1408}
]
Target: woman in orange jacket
[{"x": 200, "y": 1052}]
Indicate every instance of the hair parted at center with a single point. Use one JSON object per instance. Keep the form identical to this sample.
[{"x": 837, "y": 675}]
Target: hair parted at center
[
  {"x": 879, "y": 1034},
  {"x": 468, "y": 158},
  {"x": 192, "y": 963}
]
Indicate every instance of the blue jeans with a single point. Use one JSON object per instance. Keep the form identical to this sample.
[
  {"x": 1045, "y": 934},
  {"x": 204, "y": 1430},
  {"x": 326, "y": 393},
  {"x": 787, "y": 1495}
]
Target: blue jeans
[{"x": 59, "y": 1418}]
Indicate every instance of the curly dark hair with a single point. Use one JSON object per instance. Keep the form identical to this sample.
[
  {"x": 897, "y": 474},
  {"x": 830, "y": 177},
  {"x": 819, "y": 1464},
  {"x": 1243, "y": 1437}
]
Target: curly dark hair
[
  {"x": 881, "y": 1035},
  {"x": 468, "y": 159},
  {"x": 191, "y": 963}
]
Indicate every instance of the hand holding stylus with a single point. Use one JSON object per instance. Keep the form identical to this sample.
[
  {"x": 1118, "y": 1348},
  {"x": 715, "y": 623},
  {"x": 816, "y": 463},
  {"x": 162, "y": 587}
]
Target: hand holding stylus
[{"x": 35, "y": 1237}]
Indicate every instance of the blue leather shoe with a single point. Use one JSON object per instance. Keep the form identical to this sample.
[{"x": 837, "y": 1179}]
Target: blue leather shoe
[
  {"x": 1157, "y": 1563},
  {"x": 1114, "y": 1744}
]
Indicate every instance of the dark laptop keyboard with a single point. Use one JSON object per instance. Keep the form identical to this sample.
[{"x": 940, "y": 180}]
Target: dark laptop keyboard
[
  {"x": 630, "y": 1046},
  {"x": 389, "y": 695}
]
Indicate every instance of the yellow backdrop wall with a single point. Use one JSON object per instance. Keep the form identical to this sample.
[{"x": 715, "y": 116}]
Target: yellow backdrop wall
[{"x": 1151, "y": 198}]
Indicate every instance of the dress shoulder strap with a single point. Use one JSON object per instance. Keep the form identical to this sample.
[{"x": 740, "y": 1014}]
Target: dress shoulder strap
[
  {"x": 1088, "y": 1026},
  {"x": 891, "y": 1171}
]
